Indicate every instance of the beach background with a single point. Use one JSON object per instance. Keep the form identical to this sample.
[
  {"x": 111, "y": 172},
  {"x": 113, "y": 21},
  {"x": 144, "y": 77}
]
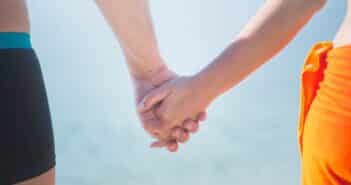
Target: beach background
[{"x": 250, "y": 134}]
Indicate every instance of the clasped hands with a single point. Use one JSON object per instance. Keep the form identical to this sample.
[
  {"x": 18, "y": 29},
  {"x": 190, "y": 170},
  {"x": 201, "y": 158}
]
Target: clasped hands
[{"x": 170, "y": 107}]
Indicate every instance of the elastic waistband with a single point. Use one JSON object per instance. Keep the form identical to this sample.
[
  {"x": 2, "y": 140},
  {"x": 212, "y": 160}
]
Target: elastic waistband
[{"x": 9, "y": 40}]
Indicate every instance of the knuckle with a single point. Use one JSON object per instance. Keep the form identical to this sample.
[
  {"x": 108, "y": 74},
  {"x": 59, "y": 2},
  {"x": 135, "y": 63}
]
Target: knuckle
[
  {"x": 188, "y": 126},
  {"x": 165, "y": 112},
  {"x": 149, "y": 127},
  {"x": 165, "y": 136},
  {"x": 165, "y": 116}
]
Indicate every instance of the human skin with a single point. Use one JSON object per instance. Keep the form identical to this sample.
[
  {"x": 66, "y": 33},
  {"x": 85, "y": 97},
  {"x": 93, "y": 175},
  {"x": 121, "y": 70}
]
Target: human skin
[
  {"x": 259, "y": 41},
  {"x": 14, "y": 18},
  {"x": 130, "y": 20},
  {"x": 343, "y": 37}
]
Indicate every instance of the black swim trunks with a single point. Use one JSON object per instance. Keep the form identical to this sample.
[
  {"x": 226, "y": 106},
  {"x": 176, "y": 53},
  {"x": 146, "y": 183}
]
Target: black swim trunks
[{"x": 26, "y": 136}]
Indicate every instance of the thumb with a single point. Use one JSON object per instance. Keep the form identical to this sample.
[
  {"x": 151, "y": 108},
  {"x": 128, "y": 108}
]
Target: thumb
[
  {"x": 158, "y": 144},
  {"x": 153, "y": 98}
]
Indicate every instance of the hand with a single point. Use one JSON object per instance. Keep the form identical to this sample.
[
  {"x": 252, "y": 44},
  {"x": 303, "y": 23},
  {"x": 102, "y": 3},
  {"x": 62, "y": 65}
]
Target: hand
[
  {"x": 175, "y": 102},
  {"x": 151, "y": 123}
]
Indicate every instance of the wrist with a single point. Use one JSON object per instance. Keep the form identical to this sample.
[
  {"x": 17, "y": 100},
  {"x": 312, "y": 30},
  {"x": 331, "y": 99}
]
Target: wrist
[
  {"x": 204, "y": 88},
  {"x": 142, "y": 66},
  {"x": 155, "y": 77},
  {"x": 145, "y": 71}
]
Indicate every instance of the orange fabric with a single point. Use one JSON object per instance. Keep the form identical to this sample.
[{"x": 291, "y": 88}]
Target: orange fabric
[
  {"x": 311, "y": 75},
  {"x": 325, "y": 117}
]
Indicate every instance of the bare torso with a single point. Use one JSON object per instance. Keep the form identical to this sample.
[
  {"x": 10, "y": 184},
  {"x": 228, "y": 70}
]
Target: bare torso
[
  {"x": 13, "y": 16},
  {"x": 343, "y": 37}
]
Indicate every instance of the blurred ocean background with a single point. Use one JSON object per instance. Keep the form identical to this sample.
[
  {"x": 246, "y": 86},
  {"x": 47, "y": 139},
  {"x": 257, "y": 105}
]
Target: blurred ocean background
[{"x": 250, "y": 135}]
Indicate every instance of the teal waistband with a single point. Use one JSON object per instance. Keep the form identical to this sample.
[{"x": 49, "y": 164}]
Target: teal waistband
[{"x": 10, "y": 40}]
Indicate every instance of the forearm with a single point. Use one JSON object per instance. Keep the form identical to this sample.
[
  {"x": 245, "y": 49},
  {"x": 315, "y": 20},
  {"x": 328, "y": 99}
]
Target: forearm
[
  {"x": 130, "y": 20},
  {"x": 275, "y": 24}
]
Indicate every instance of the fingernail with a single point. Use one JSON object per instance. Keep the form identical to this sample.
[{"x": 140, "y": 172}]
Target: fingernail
[{"x": 173, "y": 148}]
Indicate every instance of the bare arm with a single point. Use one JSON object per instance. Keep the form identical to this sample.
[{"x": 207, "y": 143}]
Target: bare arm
[
  {"x": 275, "y": 24},
  {"x": 130, "y": 20}
]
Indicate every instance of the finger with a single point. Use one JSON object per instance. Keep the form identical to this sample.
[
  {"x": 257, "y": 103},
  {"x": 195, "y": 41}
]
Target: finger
[
  {"x": 172, "y": 146},
  {"x": 202, "y": 116},
  {"x": 147, "y": 115},
  {"x": 177, "y": 133},
  {"x": 159, "y": 144},
  {"x": 191, "y": 125},
  {"x": 180, "y": 135},
  {"x": 156, "y": 134},
  {"x": 185, "y": 137},
  {"x": 153, "y": 98},
  {"x": 153, "y": 127}
]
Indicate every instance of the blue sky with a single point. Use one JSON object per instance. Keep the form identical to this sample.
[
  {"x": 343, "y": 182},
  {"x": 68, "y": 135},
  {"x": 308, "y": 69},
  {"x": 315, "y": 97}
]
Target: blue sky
[{"x": 250, "y": 135}]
